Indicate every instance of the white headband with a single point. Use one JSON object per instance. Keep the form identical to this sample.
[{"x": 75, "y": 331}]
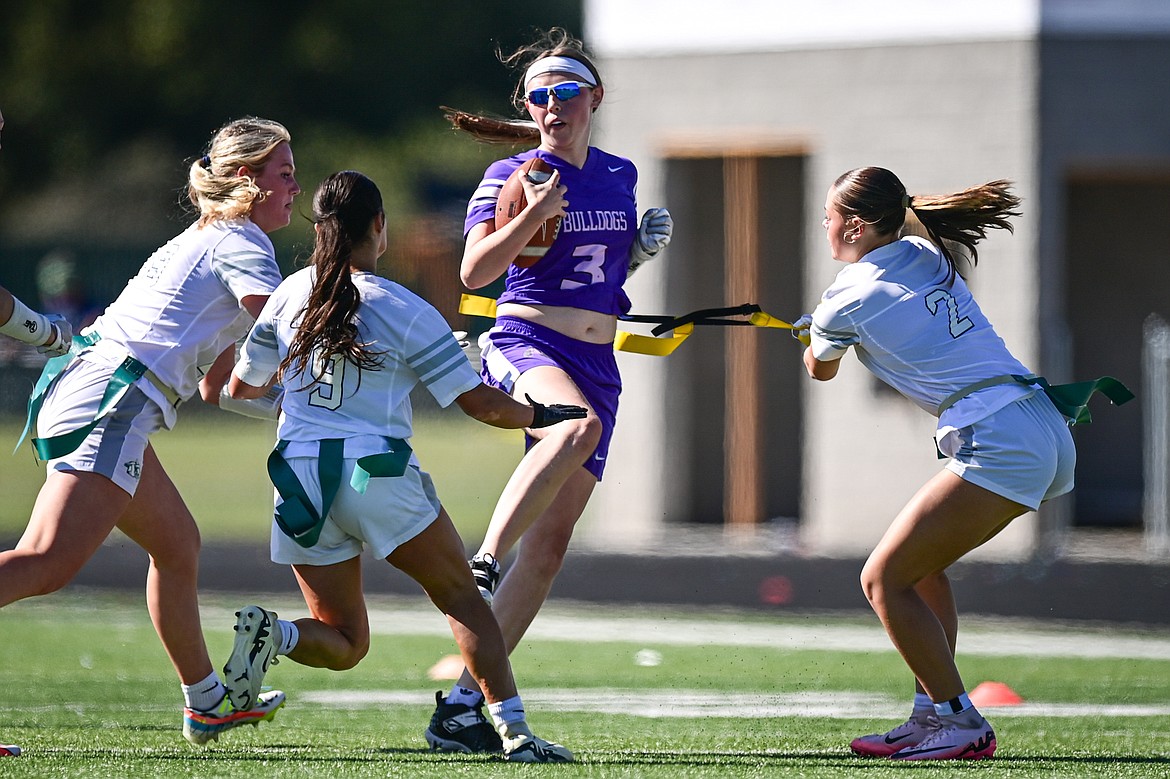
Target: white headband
[{"x": 560, "y": 65}]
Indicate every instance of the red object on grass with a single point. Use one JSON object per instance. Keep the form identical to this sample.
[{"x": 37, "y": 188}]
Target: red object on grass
[{"x": 991, "y": 694}]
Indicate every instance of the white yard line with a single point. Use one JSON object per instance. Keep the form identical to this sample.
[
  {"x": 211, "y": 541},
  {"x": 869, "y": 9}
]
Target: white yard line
[
  {"x": 614, "y": 624},
  {"x": 656, "y": 703},
  {"x": 593, "y": 624}
]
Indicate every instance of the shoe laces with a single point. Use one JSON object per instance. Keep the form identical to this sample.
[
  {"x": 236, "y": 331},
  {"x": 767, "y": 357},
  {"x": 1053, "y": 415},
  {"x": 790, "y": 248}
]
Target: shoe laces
[
  {"x": 934, "y": 736},
  {"x": 930, "y": 721},
  {"x": 488, "y": 565},
  {"x": 223, "y": 708},
  {"x": 944, "y": 730}
]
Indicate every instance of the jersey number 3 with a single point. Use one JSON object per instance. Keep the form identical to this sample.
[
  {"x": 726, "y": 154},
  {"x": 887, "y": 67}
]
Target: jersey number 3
[
  {"x": 592, "y": 265},
  {"x": 958, "y": 325}
]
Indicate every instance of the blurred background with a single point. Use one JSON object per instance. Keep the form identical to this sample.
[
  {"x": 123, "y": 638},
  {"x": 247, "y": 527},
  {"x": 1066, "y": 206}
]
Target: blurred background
[
  {"x": 107, "y": 104},
  {"x": 738, "y": 115}
]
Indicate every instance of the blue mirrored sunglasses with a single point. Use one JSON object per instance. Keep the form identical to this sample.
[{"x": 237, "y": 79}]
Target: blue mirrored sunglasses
[{"x": 566, "y": 90}]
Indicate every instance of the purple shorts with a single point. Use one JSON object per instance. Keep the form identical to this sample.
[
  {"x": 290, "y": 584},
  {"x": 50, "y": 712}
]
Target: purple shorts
[{"x": 515, "y": 345}]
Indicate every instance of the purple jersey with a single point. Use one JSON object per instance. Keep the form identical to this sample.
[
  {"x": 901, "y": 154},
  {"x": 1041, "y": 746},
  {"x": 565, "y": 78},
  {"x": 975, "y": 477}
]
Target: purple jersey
[{"x": 587, "y": 263}]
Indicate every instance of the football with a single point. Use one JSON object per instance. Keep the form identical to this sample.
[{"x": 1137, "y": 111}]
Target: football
[{"x": 511, "y": 202}]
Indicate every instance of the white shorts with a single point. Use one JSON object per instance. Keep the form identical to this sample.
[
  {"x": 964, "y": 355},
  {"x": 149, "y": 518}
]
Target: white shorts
[
  {"x": 1023, "y": 452},
  {"x": 116, "y": 447},
  {"x": 392, "y": 511}
]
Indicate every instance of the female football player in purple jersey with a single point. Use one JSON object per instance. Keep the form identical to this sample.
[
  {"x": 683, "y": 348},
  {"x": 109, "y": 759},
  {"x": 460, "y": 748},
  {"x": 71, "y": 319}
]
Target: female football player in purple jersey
[{"x": 554, "y": 332}]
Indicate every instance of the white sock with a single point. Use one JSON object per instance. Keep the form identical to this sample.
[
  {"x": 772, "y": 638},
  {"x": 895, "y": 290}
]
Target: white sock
[
  {"x": 465, "y": 696},
  {"x": 204, "y": 695},
  {"x": 960, "y": 704},
  {"x": 509, "y": 717},
  {"x": 290, "y": 634},
  {"x": 26, "y": 325}
]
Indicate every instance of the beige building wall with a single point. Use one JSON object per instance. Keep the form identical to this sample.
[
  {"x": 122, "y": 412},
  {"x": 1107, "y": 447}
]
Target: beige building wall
[{"x": 943, "y": 115}]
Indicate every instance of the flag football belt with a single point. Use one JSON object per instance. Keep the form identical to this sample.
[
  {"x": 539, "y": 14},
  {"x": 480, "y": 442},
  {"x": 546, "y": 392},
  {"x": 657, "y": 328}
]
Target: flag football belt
[
  {"x": 296, "y": 516},
  {"x": 1071, "y": 400},
  {"x": 130, "y": 371},
  {"x": 680, "y": 327}
]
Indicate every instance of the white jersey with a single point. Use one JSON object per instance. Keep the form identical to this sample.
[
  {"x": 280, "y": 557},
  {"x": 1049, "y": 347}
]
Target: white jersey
[
  {"x": 923, "y": 336},
  {"x": 414, "y": 342},
  {"x": 183, "y": 308}
]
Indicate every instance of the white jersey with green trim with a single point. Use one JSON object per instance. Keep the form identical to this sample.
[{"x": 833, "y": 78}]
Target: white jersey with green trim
[
  {"x": 923, "y": 335},
  {"x": 183, "y": 308},
  {"x": 414, "y": 345}
]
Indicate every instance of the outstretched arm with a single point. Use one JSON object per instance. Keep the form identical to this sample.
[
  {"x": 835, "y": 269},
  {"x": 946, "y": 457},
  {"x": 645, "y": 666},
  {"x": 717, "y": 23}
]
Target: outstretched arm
[
  {"x": 51, "y": 333},
  {"x": 498, "y": 409}
]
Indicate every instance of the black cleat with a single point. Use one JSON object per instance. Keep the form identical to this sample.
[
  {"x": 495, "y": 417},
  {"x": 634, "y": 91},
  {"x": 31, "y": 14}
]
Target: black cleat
[{"x": 458, "y": 728}]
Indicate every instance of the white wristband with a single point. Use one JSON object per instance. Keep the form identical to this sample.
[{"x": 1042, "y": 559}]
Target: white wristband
[
  {"x": 267, "y": 406},
  {"x": 27, "y": 325}
]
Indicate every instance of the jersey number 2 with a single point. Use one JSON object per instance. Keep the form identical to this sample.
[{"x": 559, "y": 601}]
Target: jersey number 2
[{"x": 958, "y": 325}]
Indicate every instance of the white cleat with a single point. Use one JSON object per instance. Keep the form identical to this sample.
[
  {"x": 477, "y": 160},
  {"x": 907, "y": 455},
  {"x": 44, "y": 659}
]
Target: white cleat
[
  {"x": 257, "y": 639},
  {"x": 199, "y": 727}
]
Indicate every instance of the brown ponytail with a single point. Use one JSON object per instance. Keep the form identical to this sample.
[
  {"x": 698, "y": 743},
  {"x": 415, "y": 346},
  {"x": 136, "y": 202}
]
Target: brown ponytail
[
  {"x": 555, "y": 42},
  {"x": 493, "y": 129},
  {"x": 878, "y": 198},
  {"x": 344, "y": 207}
]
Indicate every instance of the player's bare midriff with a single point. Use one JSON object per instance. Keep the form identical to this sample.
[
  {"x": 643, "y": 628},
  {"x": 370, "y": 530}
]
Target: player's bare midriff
[{"x": 579, "y": 323}]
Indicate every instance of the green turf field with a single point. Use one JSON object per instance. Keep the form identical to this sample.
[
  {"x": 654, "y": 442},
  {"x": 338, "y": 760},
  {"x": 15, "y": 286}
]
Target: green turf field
[
  {"x": 217, "y": 461},
  {"x": 87, "y": 691}
]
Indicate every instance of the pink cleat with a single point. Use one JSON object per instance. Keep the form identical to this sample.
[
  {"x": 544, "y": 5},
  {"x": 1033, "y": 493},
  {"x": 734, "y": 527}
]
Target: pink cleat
[
  {"x": 953, "y": 741},
  {"x": 910, "y": 733}
]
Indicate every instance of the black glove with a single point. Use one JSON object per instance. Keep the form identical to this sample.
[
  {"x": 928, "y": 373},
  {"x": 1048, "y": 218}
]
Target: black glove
[{"x": 543, "y": 416}]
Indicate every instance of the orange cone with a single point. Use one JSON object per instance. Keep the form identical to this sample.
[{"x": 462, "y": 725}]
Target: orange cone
[
  {"x": 990, "y": 694},
  {"x": 448, "y": 667}
]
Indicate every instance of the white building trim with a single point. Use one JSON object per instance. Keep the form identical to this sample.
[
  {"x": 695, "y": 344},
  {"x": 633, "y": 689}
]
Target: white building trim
[{"x": 616, "y": 28}]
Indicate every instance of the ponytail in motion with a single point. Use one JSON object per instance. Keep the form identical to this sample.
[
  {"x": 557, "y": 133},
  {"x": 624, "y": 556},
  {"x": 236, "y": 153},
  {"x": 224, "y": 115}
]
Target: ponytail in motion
[
  {"x": 878, "y": 198},
  {"x": 344, "y": 207},
  {"x": 555, "y": 42}
]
